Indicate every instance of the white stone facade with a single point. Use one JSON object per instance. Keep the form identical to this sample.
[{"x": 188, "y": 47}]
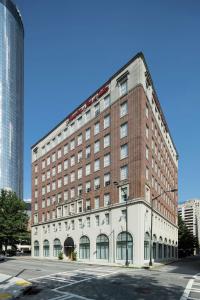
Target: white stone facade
[{"x": 139, "y": 220}]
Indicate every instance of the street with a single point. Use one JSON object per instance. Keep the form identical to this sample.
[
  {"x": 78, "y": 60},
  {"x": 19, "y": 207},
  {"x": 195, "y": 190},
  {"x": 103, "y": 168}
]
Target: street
[{"x": 57, "y": 280}]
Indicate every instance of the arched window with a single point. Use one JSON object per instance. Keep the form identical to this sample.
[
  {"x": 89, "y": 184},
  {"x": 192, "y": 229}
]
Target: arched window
[
  {"x": 160, "y": 247},
  {"x": 154, "y": 246},
  {"x": 102, "y": 246},
  {"x": 146, "y": 245},
  {"x": 124, "y": 241},
  {"x": 84, "y": 248},
  {"x": 56, "y": 247},
  {"x": 46, "y": 248},
  {"x": 36, "y": 248}
]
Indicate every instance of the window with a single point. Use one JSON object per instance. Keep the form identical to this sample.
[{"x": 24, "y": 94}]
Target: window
[
  {"x": 36, "y": 248},
  {"x": 72, "y": 160},
  {"x": 48, "y": 188},
  {"x": 96, "y": 165},
  {"x": 43, "y": 177},
  {"x": 79, "y": 207},
  {"x": 107, "y": 216},
  {"x": 87, "y": 169},
  {"x": 123, "y": 193},
  {"x": 96, "y": 110},
  {"x": 56, "y": 247},
  {"x": 72, "y": 176},
  {"x": 72, "y": 127},
  {"x": 36, "y": 168},
  {"x": 43, "y": 190},
  {"x": 80, "y": 121},
  {"x": 53, "y": 186},
  {"x": 87, "y": 134},
  {"x": 124, "y": 172},
  {"x": 53, "y": 171},
  {"x": 123, "y": 87},
  {"x": 96, "y": 202},
  {"x": 96, "y": 146},
  {"x": 80, "y": 172},
  {"x": 46, "y": 248},
  {"x": 123, "y": 130},
  {"x": 59, "y": 153},
  {"x": 147, "y": 173},
  {"x": 66, "y": 148},
  {"x": 36, "y": 193},
  {"x": 36, "y": 206},
  {"x": 124, "y": 151},
  {"x": 66, "y": 164},
  {"x": 72, "y": 224},
  {"x": 88, "y": 222},
  {"x": 72, "y": 192},
  {"x": 96, "y": 128},
  {"x": 48, "y": 174},
  {"x": 107, "y": 140},
  {"x": 107, "y": 179},
  {"x": 65, "y": 179},
  {"x": 65, "y": 195},
  {"x": 102, "y": 247},
  {"x": 146, "y": 246},
  {"x": 59, "y": 168},
  {"x": 88, "y": 115},
  {"x": 88, "y": 207},
  {"x": 48, "y": 161},
  {"x": 80, "y": 156},
  {"x": 80, "y": 223},
  {"x": 79, "y": 139},
  {"x": 87, "y": 152},
  {"x": 124, "y": 240},
  {"x": 106, "y": 160},
  {"x": 106, "y": 123},
  {"x": 80, "y": 190},
  {"x": 43, "y": 164},
  {"x": 84, "y": 248},
  {"x": 147, "y": 152},
  {"x": 123, "y": 109},
  {"x": 72, "y": 144},
  {"x": 106, "y": 101},
  {"x": 147, "y": 111},
  {"x": 96, "y": 183},
  {"x": 88, "y": 186},
  {"x": 147, "y": 132},
  {"x": 97, "y": 220},
  {"x": 106, "y": 199}
]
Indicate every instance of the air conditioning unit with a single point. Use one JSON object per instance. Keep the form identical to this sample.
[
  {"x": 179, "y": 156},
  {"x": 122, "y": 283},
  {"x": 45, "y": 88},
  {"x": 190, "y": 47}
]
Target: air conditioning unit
[
  {"x": 80, "y": 209},
  {"x": 88, "y": 208},
  {"x": 107, "y": 182},
  {"x": 80, "y": 159},
  {"x": 97, "y": 187},
  {"x": 88, "y": 190}
]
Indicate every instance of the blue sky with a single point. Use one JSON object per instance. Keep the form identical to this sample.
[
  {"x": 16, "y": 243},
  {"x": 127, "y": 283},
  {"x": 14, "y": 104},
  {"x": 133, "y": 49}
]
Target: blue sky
[{"x": 72, "y": 47}]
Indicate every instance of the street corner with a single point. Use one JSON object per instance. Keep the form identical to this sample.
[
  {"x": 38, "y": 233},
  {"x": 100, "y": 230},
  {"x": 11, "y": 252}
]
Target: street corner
[{"x": 6, "y": 296}]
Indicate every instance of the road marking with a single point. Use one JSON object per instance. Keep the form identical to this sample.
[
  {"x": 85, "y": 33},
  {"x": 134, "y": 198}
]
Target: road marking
[
  {"x": 83, "y": 280},
  {"x": 188, "y": 289},
  {"x": 66, "y": 295}
]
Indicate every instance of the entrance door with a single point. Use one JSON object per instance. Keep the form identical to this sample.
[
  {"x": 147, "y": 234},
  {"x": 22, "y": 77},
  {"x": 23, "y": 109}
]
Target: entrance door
[{"x": 69, "y": 247}]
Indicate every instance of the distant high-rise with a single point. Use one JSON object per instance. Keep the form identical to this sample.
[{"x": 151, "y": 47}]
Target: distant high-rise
[{"x": 11, "y": 97}]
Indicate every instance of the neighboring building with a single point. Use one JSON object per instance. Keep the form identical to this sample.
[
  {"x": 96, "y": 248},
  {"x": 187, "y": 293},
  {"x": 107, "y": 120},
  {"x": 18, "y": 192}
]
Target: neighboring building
[
  {"x": 119, "y": 134},
  {"x": 190, "y": 213},
  {"x": 11, "y": 97}
]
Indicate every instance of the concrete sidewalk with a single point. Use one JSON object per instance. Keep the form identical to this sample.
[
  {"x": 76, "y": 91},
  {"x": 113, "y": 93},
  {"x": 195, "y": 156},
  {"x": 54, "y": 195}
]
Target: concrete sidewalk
[{"x": 12, "y": 287}]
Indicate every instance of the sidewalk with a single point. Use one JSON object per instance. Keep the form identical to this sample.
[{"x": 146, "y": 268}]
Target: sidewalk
[{"x": 12, "y": 287}]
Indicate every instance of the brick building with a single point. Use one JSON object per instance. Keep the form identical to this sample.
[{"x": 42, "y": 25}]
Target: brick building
[{"x": 112, "y": 152}]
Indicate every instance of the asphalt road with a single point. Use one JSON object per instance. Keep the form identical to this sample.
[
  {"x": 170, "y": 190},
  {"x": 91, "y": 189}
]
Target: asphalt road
[{"x": 54, "y": 280}]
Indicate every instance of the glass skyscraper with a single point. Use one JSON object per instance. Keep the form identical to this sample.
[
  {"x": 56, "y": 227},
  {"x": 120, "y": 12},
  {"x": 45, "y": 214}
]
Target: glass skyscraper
[{"x": 11, "y": 97}]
